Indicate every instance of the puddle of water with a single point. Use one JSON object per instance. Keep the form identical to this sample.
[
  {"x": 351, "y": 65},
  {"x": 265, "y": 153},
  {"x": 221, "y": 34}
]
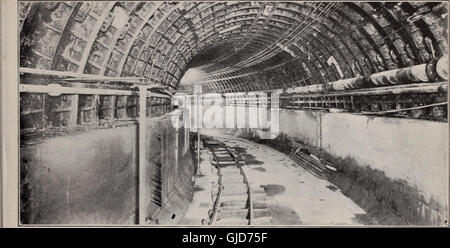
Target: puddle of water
[
  {"x": 248, "y": 158},
  {"x": 239, "y": 149},
  {"x": 273, "y": 189},
  {"x": 283, "y": 215},
  {"x": 198, "y": 188},
  {"x": 204, "y": 205},
  {"x": 259, "y": 169}
]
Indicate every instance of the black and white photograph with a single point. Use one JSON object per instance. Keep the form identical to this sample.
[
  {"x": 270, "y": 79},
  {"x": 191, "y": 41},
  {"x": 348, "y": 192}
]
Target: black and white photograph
[{"x": 230, "y": 113}]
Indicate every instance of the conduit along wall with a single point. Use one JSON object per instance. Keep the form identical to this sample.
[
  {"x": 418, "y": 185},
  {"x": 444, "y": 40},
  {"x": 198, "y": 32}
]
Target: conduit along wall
[
  {"x": 385, "y": 92},
  {"x": 93, "y": 151}
]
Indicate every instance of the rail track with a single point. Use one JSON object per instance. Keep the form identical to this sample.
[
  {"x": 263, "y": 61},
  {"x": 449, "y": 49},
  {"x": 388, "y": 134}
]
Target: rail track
[{"x": 234, "y": 199}]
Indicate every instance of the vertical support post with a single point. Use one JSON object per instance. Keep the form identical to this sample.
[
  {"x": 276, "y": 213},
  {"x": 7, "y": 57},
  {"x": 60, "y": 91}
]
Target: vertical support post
[
  {"x": 142, "y": 194},
  {"x": 198, "y": 153},
  {"x": 199, "y": 123},
  {"x": 319, "y": 130},
  {"x": 177, "y": 152},
  {"x": 186, "y": 145}
]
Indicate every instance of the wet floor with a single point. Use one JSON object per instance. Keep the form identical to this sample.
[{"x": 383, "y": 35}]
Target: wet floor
[{"x": 293, "y": 195}]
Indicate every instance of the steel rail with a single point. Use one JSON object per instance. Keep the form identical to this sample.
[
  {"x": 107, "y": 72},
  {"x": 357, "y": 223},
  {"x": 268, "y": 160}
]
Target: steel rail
[
  {"x": 219, "y": 192},
  {"x": 212, "y": 218}
]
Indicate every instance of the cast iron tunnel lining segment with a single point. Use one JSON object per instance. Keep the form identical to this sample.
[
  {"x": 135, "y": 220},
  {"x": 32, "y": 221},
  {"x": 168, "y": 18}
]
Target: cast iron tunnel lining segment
[{"x": 160, "y": 40}]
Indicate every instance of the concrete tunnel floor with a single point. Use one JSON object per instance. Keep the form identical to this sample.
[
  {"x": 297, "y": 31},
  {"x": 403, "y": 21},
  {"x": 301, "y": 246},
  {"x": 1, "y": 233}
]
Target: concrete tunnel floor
[{"x": 294, "y": 196}]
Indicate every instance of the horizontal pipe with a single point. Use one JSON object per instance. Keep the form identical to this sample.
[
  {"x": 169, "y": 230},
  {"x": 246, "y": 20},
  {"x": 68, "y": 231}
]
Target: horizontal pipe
[
  {"x": 423, "y": 73},
  {"x": 56, "y": 90},
  {"x": 397, "y": 89},
  {"x": 346, "y": 84},
  {"x": 306, "y": 89},
  {"x": 80, "y": 77},
  {"x": 415, "y": 73}
]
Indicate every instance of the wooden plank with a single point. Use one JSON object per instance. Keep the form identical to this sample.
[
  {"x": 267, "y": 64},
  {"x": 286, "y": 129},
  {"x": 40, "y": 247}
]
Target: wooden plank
[{"x": 80, "y": 77}]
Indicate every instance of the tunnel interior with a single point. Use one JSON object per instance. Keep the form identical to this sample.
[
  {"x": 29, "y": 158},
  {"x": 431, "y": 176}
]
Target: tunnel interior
[{"x": 83, "y": 66}]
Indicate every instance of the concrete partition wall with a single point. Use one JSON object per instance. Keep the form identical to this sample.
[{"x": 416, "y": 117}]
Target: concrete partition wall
[
  {"x": 176, "y": 180},
  {"x": 83, "y": 178},
  {"x": 412, "y": 150},
  {"x": 91, "y": 177},
  {"x": 300, "y": 124}
]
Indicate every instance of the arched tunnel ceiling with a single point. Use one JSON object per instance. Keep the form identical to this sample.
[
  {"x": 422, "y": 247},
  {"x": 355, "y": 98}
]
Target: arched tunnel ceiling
[{"x": 235, "y": 46}]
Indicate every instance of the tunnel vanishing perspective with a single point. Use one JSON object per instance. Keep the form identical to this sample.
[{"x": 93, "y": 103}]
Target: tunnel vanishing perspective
[{"x": 358, "y": 91}]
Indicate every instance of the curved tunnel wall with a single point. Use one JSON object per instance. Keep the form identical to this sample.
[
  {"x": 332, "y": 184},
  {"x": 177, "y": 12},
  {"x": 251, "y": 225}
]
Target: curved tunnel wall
[{"x": 237, "y": 45}]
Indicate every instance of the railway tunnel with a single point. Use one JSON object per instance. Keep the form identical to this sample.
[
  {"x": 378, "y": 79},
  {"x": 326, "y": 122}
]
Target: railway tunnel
[{"x": 147, "y": 113}]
